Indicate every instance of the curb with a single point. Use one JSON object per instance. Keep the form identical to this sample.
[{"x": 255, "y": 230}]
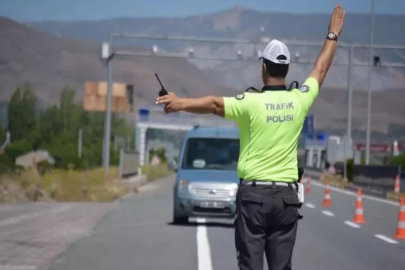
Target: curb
[{"x": 131, "y": 183}]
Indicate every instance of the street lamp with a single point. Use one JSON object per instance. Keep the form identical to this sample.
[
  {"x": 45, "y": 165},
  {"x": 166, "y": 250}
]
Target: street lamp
[
  {"x": 191, "y": 52},
  {"x": 239, "y": 53},
  {"x": 370, "y": 68},
  {"x": 108, "y": 56},
  {"x": 297, "y": 57},
  {"x": 155, "y": 49}
]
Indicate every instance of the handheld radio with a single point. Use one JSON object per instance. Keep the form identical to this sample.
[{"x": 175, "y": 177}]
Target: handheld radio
[{"x": 163, "y": 91}]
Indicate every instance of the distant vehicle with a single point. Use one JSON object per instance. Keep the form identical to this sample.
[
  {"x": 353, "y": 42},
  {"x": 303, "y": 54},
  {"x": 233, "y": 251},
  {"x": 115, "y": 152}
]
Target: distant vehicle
[{"x": 207, "y": 180}]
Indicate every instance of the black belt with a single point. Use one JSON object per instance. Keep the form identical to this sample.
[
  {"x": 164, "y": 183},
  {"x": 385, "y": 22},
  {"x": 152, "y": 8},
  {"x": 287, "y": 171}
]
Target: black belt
[{"x": 253, "y": 183}]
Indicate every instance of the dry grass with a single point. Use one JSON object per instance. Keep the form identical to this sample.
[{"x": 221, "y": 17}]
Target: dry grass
[
  {"x": 157, "y": 172},
  {"x": 89, "y": 185},
  {"x": 61, "y": 185},
  {"x": 69, "y": 185},
  {"x": 335, "y": 181},
  {"x": 395, "y": 197}
]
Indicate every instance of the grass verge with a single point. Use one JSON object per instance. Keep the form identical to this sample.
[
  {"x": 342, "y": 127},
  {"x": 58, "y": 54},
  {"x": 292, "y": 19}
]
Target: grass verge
[
  {"x": 69, "y": 185},
  {"x": 335, "y": 181},
  {"x": 61, "y": 185},
  {"x": 157, "y": 172},
  {"x": 395, "y": 196}
]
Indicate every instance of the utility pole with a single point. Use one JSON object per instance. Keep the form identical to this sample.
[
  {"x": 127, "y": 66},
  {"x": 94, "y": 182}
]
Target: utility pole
[
  {"x": 349, "y": 109},
  {"x": 80, "y": 143},
  {"x": 105, "y": 54},
  {"x": 370, "y": 69}
]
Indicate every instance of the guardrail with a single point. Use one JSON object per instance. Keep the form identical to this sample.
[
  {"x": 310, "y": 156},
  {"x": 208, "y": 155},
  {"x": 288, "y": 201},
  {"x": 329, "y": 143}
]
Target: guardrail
[{"x": 376, "y": 189}]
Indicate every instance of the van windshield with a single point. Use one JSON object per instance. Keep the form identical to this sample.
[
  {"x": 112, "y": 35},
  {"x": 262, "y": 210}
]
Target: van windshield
[{"x": 211, "y": 154}]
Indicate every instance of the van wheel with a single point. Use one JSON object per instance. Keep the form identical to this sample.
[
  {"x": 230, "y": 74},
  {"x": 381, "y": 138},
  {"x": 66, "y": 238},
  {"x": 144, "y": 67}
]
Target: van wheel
[{"x": 180, "y": 220}]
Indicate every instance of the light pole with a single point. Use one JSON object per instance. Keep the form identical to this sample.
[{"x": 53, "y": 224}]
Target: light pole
[
  {"x": 370, "y": 69},
  {"x": 108, "y": 56},
  {"x": 349, "y": 109},
  {"x": 80, "y": 143}
]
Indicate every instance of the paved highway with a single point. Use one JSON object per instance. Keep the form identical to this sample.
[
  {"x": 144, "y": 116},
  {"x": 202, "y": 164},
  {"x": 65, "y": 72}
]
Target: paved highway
[{"x": 137, "y": 234}]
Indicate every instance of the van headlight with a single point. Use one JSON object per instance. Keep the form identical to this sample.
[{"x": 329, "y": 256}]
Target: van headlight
[
  {"x": 234, "y": 190},
  {"x": 184, "y": 186}
]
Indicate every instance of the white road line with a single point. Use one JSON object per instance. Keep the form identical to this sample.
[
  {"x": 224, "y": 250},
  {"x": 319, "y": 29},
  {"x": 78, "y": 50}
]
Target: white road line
[
  {"x": 354, "y": 225},
  {"x": 355, "y": 194},
  {"x": 328, "y": 213},
  {"x": 310, "y": 205},
  {"x": 203, "y": 246},
  {"x": 386, "y": 239}
]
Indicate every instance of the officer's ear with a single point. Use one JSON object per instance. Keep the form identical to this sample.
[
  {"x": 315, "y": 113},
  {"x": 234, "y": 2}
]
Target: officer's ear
[{"x": 264, "y": 73}]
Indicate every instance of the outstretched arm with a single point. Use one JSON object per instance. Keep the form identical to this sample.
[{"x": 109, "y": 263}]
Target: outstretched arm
[
  {"x": 202, "y": 105},
  {"x": 325, "y": 58}
]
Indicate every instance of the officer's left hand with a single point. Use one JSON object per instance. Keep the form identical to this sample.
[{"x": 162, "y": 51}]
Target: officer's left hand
[{"x": 172, "y": 102}]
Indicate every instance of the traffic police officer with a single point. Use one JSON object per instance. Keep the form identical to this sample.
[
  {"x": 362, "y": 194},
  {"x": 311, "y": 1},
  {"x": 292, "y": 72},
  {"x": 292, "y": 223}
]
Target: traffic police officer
[{"x": 270, "y": 124}]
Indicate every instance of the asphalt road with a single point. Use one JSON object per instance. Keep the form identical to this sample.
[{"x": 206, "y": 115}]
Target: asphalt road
[
  {"x": 137, "y": 234},
  {"x": 32, "y": 235}
]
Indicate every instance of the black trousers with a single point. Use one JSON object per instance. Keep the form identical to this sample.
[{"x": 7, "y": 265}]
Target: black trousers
[{"x": 265, "y": 223}]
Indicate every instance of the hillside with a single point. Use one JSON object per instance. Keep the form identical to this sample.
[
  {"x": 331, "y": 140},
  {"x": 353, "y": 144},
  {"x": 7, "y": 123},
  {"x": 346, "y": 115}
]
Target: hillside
[
  {"x": 237, "y": 22},
  {"x": 241, "y": 23},
  {"x": 49, "y": 63}
]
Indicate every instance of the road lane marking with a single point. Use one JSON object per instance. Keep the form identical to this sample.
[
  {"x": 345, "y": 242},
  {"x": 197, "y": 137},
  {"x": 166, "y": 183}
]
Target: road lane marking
[
  {"x": 203, "y": 246},
  {"x": 310, "y": 205},
  {"x": 328, "y": 213},
  {"x": 354, "y": 225},
  {"x": 386, "y": 239},
  {"x": 355, "y": 194}
]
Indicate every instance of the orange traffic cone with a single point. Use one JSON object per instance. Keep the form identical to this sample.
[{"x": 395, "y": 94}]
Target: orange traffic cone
[
  {"x": 308, "y": 185},
  {"x": 359, "y": 216},
  {"x": 401, "y": 221},
  {"x": 396, "y": 187},
  {"x": 326, "y": 200}
]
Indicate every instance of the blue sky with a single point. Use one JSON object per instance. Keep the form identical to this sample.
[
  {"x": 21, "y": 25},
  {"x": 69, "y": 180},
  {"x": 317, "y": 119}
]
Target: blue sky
[{"x": 70, "y": 10}]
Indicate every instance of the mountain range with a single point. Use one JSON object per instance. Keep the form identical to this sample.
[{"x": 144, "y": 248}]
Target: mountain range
[
  {"x": 240, "y": 23},
  {"x": 52, "y": 54}
]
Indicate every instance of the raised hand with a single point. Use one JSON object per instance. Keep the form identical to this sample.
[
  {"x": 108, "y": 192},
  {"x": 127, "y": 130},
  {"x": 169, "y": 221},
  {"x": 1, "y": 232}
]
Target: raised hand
[{"x": 337, "y": 19}]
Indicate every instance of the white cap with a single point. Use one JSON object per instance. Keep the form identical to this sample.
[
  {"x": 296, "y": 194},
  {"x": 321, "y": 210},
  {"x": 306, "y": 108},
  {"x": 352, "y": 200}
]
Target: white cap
[{"x": 276, "y": 52}]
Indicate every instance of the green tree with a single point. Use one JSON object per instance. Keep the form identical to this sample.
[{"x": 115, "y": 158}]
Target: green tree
[
  {"x": 56, "y": 129},
  {"x": 2, "y": 135},
  {"x": 22, "y": 122}
]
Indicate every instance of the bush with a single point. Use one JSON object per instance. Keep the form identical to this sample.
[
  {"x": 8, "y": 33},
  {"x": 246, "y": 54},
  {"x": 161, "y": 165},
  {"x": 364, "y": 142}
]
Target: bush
[
  {"x": 398, "y": 160},
  {"x": 160, "y": 153},
  {"x": 350, "y": 169},
  {"x": 44, "y": 167}
]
